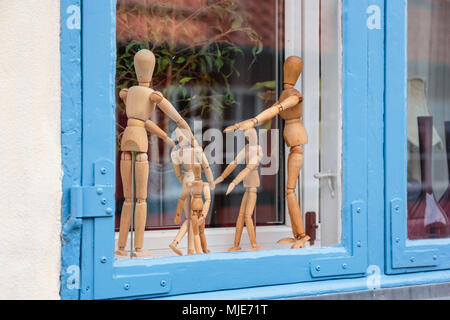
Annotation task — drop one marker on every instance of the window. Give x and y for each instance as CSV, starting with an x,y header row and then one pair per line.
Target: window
x,y
105,276
218,63
428,119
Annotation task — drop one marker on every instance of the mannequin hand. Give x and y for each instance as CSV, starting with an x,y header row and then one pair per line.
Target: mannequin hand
x,y
230,188
212,185
244,125
177,219
170,142
218,180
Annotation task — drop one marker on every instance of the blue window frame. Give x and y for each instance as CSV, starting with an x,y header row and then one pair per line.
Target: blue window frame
x,y
92,196
402,255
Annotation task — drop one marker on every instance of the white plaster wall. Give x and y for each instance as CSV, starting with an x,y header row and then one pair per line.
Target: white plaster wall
x,y
30,160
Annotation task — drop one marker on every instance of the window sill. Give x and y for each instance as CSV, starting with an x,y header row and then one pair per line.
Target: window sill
x,y
219,240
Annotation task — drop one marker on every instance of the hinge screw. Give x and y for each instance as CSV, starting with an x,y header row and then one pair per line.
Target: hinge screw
x,y
358,244
109,211
317,268
358,210
397,240
163,283
103,260
103,170
99,191
397,208
344,266
412,259
126,286
434,258
103,201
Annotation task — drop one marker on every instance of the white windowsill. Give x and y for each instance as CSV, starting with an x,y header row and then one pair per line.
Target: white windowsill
x,y
219,240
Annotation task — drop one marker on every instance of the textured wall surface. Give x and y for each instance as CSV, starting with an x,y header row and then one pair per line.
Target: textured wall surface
x,y
30,163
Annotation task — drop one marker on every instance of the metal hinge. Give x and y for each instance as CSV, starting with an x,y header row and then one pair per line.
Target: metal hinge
x,y
98,200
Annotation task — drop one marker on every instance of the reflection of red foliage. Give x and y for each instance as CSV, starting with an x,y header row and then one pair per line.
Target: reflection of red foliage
x,y
184,22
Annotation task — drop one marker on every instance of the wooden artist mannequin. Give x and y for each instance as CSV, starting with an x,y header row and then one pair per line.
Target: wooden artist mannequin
x,y
140,102
289,107
192,160
252,153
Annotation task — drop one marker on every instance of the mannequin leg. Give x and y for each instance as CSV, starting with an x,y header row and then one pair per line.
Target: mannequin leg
x,y
191,247
140,216
196,230
125,217
203,238
183,229
295,163
249,208
239,224
181,233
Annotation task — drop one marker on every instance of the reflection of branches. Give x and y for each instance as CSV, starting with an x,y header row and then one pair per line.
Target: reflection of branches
x,y
187,61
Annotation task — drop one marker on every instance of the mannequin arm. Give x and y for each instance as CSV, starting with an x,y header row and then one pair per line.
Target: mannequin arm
x,y
230,168
170,110
208,172
266,115
123,95
253,163
177,171
153,128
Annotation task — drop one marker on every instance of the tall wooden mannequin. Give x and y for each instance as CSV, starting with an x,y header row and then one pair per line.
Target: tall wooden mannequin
x,y
140,102
252,153
289,107
192,160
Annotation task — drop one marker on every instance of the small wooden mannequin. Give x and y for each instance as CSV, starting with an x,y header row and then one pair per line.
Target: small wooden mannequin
x,y
192,160
289,107
140,103
253,155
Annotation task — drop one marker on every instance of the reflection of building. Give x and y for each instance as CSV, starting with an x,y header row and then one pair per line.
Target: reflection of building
x,y
184,22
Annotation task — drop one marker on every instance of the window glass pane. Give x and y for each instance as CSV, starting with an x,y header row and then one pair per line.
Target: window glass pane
x,y
428,119
219,63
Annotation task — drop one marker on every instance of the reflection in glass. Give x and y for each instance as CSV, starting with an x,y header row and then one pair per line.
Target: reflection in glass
x,y
217,62
428,99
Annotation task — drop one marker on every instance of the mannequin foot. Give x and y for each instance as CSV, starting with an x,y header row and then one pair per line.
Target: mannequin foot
x,y
121,252
255,248
141,253
175,249
191,252
286,240
234,249
206,251
299,243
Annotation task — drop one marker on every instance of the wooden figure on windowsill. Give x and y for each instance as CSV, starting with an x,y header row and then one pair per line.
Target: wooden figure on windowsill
x,y
190,157
289,107
140,102
252,153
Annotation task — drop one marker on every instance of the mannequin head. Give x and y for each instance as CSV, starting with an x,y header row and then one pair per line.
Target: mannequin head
x,y
293,67
144,64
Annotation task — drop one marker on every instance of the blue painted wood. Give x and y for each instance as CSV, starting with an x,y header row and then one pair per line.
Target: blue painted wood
x,y
375,138
102,277
402,255
70,144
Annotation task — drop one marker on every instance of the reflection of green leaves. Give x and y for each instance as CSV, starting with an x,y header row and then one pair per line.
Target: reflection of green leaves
x,y
264,85
185,80
193,76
